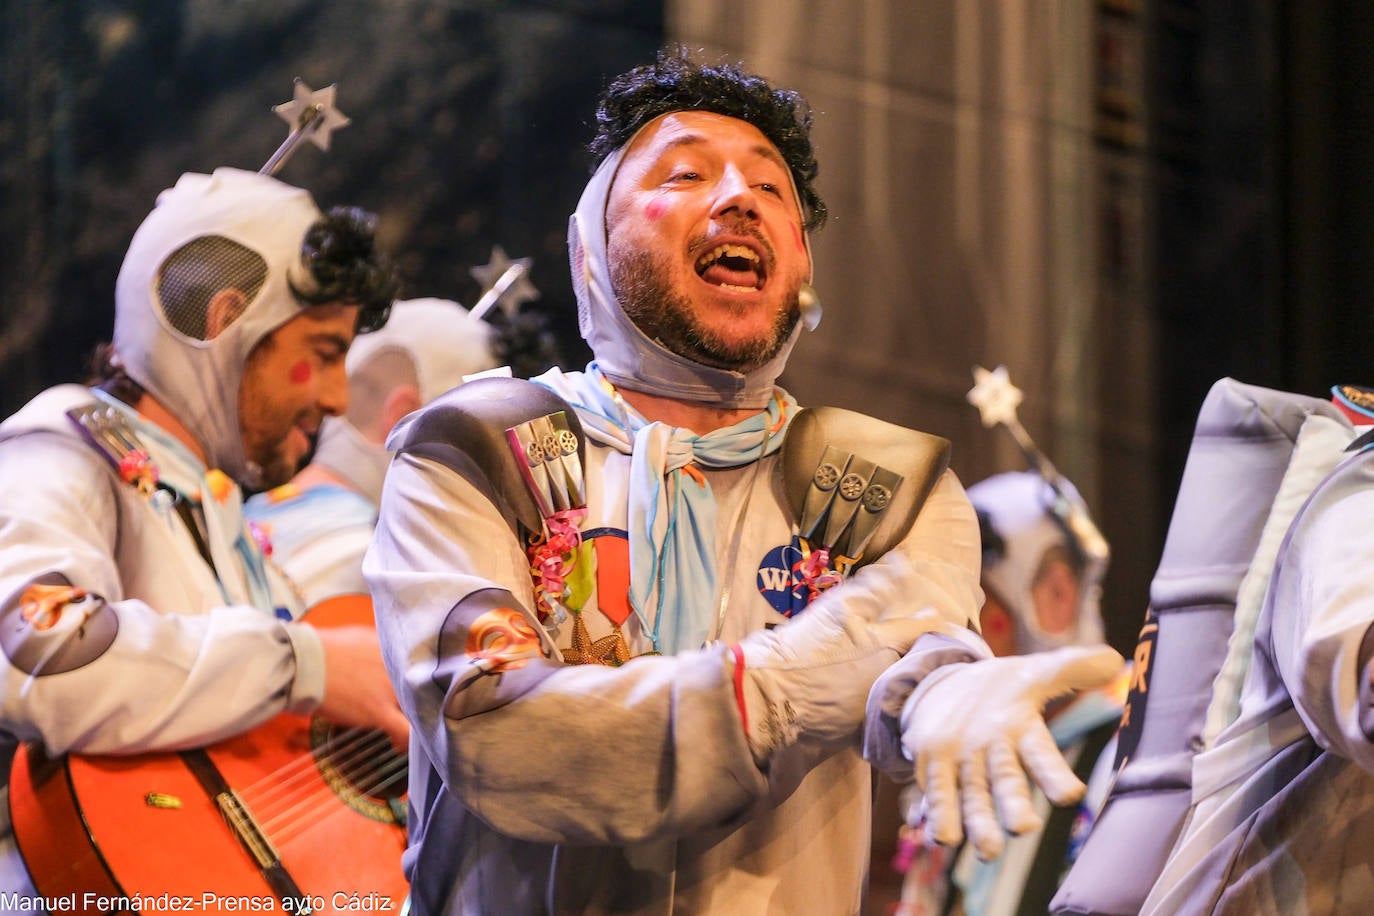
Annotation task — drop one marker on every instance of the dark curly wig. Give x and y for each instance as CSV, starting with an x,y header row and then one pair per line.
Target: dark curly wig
x,y
346,266
674,82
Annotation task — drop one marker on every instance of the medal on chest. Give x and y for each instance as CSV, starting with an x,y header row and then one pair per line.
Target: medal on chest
x,y
564,566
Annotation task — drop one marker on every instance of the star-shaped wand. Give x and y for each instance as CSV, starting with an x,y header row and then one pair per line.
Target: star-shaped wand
x,y
997,399
506,283
312,116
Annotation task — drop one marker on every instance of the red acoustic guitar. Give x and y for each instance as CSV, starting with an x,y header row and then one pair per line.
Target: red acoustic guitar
x,y
296,815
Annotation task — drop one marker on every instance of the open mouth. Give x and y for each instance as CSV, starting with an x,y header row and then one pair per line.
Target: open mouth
x,y
732,266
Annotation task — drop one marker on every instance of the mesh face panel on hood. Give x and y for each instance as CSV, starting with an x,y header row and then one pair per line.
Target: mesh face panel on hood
x,y
190,284
194,375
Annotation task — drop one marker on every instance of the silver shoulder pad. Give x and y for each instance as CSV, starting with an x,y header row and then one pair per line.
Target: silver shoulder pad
x,y
855,483
469,430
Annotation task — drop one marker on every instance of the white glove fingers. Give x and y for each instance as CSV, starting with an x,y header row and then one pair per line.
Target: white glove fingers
x,y
1012,791
980,818
989,714
1076,668
1046,765
942,801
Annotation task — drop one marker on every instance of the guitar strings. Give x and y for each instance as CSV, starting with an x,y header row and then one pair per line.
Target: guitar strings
x,y
282,789
307,809
311,817
280,780
283,811
312,814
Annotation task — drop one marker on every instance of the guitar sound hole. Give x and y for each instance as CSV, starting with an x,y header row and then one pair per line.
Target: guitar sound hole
x,y
362,768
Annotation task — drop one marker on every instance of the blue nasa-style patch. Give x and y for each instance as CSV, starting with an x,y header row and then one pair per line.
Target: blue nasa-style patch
x,y
779,579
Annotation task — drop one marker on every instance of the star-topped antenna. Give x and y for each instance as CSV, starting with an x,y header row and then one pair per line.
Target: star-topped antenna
x,y
506,283
311,116
997,399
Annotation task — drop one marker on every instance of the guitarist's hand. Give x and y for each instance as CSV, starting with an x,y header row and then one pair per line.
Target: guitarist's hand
x,y
356,688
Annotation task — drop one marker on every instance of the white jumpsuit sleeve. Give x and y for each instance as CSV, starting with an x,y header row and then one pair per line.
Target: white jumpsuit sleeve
x,y
947,536
576,754
112,673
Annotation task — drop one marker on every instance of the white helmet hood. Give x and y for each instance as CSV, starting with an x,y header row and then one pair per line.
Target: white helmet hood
x,y
443,343
623,352
198,380
1019,505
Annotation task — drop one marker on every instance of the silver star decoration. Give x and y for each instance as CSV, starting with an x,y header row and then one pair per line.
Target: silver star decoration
x,y
995,396
997,399
312,110
505,293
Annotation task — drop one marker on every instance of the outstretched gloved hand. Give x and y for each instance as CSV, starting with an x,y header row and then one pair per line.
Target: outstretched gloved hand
x,y
977,729
811,676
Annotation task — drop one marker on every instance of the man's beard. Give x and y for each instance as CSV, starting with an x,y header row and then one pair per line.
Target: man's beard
x,y
640,282
272,469
274,472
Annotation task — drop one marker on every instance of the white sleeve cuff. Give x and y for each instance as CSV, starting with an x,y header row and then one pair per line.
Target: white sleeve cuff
x,y
307,690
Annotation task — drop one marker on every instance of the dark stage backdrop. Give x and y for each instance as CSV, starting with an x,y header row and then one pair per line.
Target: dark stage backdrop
x,y
469,125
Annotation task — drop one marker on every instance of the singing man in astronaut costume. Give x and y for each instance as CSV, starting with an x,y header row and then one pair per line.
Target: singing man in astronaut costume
x,y
608,714
138,613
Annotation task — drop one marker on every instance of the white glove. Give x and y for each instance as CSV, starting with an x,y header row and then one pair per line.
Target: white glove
x,y
976,730
811,676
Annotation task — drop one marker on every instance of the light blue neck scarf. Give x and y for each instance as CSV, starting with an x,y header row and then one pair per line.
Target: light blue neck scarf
x,y
672,517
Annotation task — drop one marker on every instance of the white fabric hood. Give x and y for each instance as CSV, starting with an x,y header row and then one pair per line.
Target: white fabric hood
x,y
1019,506
443,343
198,380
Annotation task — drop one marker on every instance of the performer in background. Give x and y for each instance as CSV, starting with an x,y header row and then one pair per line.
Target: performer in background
x,y
635,613
1042,586
320,523
138,612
